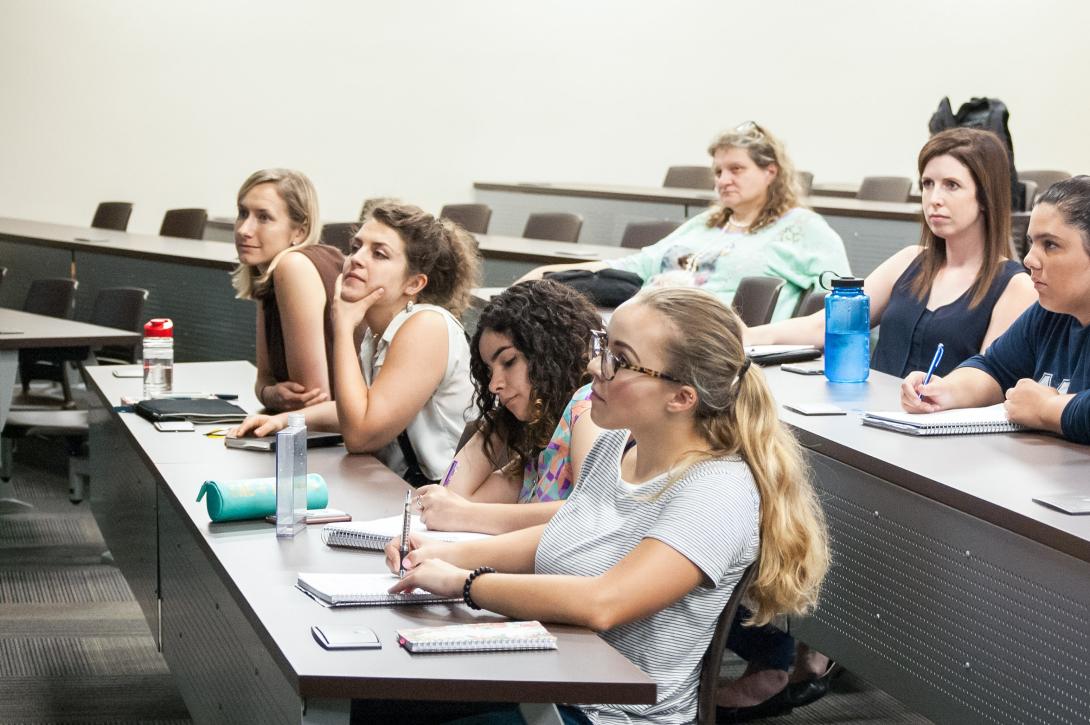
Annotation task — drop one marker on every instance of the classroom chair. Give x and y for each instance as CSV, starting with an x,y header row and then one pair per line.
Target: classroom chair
x,y
755,299
340,235
689,177
1044,178
184,223
112,215
884,188
53,298
713,656
1029,191
638,235
3,274
121,308
810,302
553,227
806,182
474,218
1019,227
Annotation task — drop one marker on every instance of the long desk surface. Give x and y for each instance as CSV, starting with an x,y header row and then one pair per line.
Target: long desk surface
x,y
229,605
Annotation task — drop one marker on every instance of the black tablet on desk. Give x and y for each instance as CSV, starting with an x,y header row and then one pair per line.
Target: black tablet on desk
x,y
268,443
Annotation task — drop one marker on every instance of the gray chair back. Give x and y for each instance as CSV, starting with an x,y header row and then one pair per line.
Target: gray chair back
x,y
638,235
806,182
340,235
1029,188
473,218
553,226
184,223
1043,177
112,215
810,302
121,308
755,299
713,656
884,188
1019,241
54,297
689,177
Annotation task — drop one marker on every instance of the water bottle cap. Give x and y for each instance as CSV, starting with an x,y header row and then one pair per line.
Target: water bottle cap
x,y
297,420
159,327
849,282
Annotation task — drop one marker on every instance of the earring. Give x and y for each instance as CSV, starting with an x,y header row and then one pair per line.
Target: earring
x,y
409,306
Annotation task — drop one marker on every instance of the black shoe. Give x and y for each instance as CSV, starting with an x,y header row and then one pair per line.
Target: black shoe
x,y
776,705
800,694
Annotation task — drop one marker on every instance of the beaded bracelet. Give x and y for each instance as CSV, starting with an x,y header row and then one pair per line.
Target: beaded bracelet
x,y
469,583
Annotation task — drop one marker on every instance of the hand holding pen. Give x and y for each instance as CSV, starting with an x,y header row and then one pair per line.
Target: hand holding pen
x,y
934,364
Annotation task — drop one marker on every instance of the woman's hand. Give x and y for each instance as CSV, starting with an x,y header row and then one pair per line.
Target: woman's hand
x,y
1027,403
259,425
937,394
442,509
421,549
290,395
348,314
435,576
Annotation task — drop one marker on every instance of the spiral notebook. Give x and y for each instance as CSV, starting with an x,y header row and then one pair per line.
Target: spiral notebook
x,y
480,637
962,421
376,534
352,590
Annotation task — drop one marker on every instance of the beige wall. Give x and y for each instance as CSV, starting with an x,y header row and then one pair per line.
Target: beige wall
x,y
173,104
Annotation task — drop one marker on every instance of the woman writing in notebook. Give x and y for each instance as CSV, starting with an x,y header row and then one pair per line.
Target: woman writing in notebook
x,y
407,280
957,286
529,358
1040,366
757,228
291,276
651,543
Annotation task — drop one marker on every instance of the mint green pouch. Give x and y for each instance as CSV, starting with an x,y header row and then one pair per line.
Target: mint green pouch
x,y
255,498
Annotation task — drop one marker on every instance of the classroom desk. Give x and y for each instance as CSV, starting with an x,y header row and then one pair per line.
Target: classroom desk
x,y
950,588
850,189
872,231
24,330
188,280
233,629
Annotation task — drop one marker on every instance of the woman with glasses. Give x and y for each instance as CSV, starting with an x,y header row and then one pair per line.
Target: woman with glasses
x,y
653,540
957,286
757,228
528,360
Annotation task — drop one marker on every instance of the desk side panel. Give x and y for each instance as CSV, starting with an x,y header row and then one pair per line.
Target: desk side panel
x,y
869,242
961,620
26,263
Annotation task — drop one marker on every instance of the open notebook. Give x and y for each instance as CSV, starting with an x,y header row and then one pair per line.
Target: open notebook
x,y
478,637
343,590
377,533
992,419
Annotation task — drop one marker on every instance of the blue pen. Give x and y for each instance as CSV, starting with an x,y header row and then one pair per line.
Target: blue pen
x,y
934,364
450,472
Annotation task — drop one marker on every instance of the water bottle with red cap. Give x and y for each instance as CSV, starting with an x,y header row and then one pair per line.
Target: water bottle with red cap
x,y
158,357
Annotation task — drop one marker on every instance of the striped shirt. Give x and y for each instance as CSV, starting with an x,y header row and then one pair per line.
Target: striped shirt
x,y
710,516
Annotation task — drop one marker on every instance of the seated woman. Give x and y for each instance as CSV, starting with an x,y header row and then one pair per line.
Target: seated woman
x,y
756,229
408,279
651,543
529,357
1041,365
282,266
956,286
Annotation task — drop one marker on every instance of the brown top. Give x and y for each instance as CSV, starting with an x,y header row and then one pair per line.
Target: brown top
x,y
328,261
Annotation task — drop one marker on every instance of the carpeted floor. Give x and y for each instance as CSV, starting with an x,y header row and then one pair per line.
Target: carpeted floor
x,y
74,646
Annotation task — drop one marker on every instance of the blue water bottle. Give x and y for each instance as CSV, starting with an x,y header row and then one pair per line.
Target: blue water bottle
x,y
847,332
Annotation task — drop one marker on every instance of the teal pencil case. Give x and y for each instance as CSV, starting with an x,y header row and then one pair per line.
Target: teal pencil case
x,y
255,498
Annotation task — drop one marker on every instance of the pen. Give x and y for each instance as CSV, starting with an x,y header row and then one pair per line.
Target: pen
x,y
450,472
934,364
405,524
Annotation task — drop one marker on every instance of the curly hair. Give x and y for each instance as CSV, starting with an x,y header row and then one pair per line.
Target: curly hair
x,y
550,324
765,150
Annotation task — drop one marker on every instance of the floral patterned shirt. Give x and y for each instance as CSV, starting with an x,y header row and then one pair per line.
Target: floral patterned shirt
x,y
550,478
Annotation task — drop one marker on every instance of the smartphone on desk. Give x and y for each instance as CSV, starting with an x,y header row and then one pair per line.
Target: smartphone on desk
x,y
812,369
173,426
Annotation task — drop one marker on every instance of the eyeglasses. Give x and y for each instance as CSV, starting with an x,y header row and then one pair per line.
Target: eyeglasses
x,y
611,364
750,128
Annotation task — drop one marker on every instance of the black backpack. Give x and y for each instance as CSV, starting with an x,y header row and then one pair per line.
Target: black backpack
x,y
990,114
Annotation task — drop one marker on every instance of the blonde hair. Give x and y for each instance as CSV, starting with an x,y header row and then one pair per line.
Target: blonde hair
x,y
764,149
736,414
302,202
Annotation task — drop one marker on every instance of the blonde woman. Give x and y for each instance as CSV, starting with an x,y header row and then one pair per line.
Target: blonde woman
x,y
757,228
650,544
291,276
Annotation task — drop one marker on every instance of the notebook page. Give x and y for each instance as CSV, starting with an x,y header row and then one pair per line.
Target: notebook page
x,y
988,415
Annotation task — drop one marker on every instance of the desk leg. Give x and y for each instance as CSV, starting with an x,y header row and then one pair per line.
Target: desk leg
x,y
9,366
540,713
317,711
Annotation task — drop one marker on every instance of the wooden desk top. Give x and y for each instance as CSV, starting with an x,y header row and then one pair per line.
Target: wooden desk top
x,y
260,572
993,477
827,205
26,330
219,255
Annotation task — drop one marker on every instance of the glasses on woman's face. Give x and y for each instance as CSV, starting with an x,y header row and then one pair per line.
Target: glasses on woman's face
x,y
599,347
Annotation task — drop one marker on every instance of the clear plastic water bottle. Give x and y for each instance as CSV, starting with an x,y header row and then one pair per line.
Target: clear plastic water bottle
x,y
291,476
158,357
847,332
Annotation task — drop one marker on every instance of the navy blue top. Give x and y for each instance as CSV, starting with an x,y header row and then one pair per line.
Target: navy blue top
x,y
911,332
1052,349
